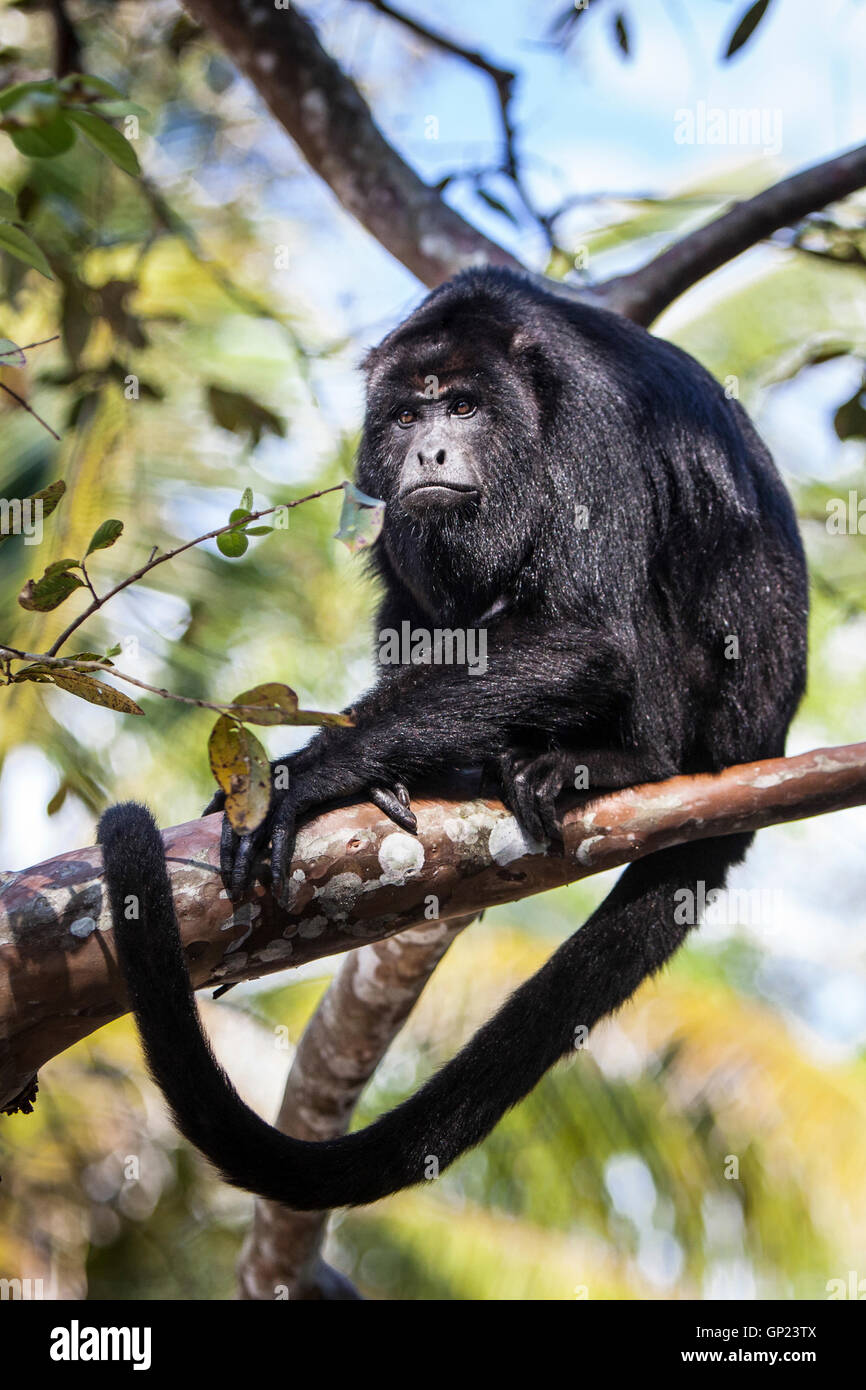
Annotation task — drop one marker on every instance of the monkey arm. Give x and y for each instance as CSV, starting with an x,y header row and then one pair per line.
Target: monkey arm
x,y
427,719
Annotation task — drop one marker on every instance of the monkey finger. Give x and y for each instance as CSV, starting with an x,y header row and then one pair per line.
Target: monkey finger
x,y
395,803
229,842
546,803
282,846
216,803
245,858
526,808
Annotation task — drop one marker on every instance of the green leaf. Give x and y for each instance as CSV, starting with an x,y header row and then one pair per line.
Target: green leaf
x,y
13,95
37,672
118,110
247,499
106,139
232,544
20,245
44,141
50,497
104,536
56,584
279,705
746,27
11,354
88,83
361,518
241,768
95,692
8,205
36,108
235,411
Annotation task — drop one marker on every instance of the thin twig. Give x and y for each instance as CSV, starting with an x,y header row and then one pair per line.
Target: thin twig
x,y
504,81
44,659
152,563
29,408
28,346
20,399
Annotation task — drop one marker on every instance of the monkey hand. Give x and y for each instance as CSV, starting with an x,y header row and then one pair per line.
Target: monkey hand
x,y
530,784
290,797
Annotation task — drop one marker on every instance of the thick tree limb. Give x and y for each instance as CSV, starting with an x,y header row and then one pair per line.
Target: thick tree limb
x,y
643,295
364,1009
357,879
332,125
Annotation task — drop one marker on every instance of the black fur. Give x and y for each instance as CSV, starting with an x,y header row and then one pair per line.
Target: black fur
x,y
606,647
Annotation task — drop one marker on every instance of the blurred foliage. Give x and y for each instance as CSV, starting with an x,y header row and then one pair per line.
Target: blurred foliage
x,y
702,1145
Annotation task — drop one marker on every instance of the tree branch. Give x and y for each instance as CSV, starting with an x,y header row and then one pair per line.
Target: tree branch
x,y
332,125
364,1009
504,82
67,47
325,114
357,879
642,295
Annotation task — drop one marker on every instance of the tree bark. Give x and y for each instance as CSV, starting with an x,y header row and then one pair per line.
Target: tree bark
x,y
364,1009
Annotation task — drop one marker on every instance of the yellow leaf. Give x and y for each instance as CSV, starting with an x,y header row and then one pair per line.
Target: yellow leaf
x,y
240,765
86,688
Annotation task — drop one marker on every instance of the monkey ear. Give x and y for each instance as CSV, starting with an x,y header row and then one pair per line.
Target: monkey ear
x,y
529,355
524,339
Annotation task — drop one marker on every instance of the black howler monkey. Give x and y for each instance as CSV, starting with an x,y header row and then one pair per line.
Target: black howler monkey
x,y
588,495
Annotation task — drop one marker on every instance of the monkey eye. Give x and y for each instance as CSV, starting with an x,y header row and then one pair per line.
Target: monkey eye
x,y
405,418
464,407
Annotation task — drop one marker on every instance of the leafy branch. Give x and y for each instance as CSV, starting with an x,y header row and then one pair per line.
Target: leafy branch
x,y
238,760
43,119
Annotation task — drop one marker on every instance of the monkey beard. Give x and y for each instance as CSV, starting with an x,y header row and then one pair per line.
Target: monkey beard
x,y
459,561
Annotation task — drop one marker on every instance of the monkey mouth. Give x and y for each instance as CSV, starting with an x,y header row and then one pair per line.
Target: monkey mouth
x,y
439,495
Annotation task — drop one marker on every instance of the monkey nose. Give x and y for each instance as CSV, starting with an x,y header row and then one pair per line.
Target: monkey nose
x,y
429,459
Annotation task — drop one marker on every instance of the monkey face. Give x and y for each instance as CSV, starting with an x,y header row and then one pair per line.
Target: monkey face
x,y
440,441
